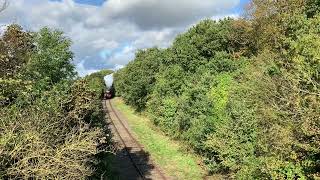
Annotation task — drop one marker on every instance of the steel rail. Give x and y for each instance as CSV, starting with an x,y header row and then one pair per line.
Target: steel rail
x,y
134,139
123,142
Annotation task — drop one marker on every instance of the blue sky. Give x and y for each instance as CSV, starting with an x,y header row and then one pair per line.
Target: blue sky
x,y
106,34
100,2
91,2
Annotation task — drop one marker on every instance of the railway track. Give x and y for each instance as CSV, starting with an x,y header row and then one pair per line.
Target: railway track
x,y
132,150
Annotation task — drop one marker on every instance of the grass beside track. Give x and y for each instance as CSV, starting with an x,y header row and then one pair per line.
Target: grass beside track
x,y
168,154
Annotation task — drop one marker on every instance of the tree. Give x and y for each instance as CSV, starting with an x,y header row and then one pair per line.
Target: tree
x,y
16,47
52,60
140,77
245,93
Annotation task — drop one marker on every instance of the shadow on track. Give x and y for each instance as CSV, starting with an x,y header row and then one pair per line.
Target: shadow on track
x,y
127,170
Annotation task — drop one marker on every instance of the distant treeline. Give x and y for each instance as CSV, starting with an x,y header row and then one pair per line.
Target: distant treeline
x,y
51,122
244,93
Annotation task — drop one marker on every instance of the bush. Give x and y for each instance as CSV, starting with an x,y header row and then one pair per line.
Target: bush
x,y
140,78
242,93
50,126
53,138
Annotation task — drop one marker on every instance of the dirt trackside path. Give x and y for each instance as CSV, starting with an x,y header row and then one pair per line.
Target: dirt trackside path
x,y
131,161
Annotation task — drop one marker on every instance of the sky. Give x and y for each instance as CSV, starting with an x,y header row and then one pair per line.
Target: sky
x,y
107,33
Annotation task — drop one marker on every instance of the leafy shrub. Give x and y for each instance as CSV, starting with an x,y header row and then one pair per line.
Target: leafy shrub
x,y
51,138
141,77
50,126
242,93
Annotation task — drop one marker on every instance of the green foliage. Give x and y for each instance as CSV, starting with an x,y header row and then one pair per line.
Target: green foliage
x,y
96,81
51,126
16,46
242,93
141,77
312,8
53,138
52,61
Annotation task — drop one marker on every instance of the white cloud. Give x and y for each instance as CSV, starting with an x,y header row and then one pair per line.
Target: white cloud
x,y
163,13
82,71
109,35
123,56
218,17
117,67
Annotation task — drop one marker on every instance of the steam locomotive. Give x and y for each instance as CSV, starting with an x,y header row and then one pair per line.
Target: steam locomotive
x,y
109,93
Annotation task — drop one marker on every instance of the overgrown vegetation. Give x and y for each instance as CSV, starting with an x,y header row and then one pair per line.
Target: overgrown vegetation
x,y
51,123
244,93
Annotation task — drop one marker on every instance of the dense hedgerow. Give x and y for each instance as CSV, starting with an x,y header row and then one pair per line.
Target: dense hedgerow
x,y
51,124
243,93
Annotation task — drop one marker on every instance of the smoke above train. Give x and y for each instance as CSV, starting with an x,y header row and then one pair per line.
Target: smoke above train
x,y
108,80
